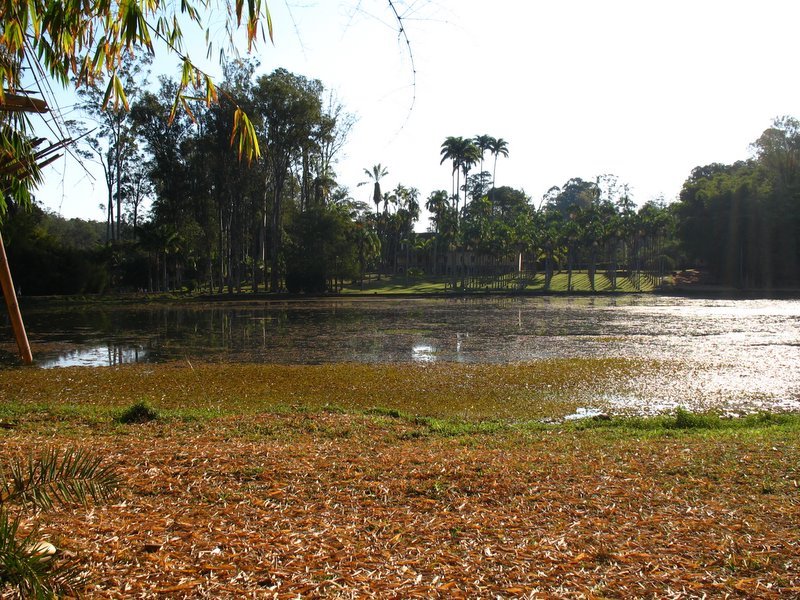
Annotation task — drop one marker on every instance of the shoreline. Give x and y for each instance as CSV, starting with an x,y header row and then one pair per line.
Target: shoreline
x,y
148,298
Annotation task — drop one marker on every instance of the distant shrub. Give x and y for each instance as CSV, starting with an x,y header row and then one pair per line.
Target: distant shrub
x,y
141,412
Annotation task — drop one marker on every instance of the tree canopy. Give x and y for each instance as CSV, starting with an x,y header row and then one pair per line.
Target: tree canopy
x,y
741,222
83,42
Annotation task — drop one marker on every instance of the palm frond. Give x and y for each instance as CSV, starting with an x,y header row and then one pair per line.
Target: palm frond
x,y
25,570
53,478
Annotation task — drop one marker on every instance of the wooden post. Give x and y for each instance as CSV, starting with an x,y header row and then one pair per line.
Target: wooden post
x,y
13,307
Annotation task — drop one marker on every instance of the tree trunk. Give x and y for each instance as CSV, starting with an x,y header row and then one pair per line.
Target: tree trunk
x,y
548,268
110,216
13,307
166,280
221,252
435,254
613,275
263,236
274,280
118,167
569,268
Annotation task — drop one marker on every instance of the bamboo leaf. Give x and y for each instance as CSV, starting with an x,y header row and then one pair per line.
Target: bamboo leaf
x,y
211,91
174,110
188,109
35,19
119,92
99,59
107,95
187,73
244,136
269,23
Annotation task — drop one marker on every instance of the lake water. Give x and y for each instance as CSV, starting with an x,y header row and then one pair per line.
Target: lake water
x,y
722,354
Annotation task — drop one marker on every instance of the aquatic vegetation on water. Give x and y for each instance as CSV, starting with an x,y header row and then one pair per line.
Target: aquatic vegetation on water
x,y
525,391
714,355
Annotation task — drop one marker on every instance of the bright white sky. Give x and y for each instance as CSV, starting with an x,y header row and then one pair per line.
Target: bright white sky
x,y
641,89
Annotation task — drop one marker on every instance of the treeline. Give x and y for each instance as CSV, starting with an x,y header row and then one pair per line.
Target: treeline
x,y
52,255
741,222
282,222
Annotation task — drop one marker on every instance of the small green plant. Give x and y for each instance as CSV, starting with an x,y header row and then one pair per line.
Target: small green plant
x,y
27,566
686,420
140,412
385,412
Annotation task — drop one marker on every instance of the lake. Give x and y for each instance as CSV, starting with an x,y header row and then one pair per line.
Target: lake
x,y
729,355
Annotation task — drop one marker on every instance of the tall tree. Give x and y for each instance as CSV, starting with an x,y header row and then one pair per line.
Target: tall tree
x,y
483,142
451,150
335,126
113,139
573,195
470,155
498,147
778,150
437,205
375,174
291,108
463,154
137,185
165,141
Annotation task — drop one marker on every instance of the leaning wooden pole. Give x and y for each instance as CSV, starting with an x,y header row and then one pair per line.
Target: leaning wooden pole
x,y
13,307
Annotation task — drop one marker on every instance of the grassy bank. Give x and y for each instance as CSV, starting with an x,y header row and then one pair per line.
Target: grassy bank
x,y
373,481
388,285
559,284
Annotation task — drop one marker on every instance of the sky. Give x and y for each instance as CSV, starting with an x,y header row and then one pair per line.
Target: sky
x,y
644,90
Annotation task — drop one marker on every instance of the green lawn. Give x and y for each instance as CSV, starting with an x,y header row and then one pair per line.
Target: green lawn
x,y
399,284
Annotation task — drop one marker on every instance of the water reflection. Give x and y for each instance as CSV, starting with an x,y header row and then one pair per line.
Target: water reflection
x,y
424,353
108,355
745,352
584,413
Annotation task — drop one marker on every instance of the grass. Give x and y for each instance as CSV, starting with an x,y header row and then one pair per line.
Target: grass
x,y
137,413
683,420
398,285
413,481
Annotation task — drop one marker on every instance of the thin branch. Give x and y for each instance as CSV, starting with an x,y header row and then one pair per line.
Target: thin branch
x,y
402,33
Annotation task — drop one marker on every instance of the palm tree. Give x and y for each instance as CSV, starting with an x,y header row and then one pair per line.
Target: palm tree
x,y
498,147
464,154
484,143
551,223
592,228
471,154
378,171
451,150
570,236
368,245
437,206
